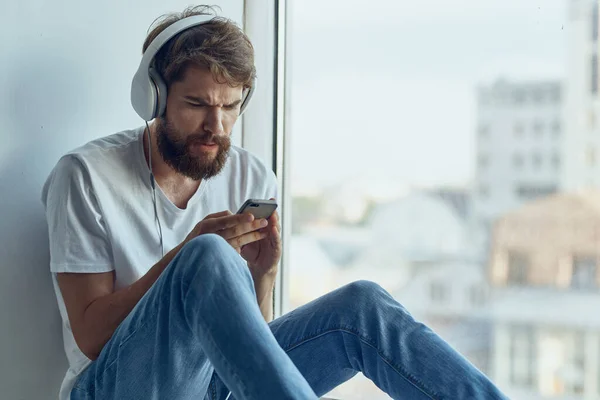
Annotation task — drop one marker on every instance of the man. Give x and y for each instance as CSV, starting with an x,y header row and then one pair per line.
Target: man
x,y
165,294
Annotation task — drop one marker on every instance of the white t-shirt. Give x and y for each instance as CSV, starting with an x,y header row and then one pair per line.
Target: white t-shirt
x,y
100,215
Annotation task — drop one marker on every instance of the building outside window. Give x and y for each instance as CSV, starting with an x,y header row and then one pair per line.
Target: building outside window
x,y
484,131
519,129
595,22
484,161
439,292
477,295
590,156
594,76
556,127
518,161
522,356
556,161
538,129
518,267
585,272
536,160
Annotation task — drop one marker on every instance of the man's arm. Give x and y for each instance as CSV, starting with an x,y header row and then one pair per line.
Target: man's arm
x,y
95,310
264,295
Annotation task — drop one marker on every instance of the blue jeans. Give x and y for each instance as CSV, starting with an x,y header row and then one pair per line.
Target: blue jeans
x,y
198,333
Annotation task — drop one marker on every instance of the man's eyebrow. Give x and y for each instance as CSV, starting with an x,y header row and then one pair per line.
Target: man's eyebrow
x,y
235,103
201,101
194,99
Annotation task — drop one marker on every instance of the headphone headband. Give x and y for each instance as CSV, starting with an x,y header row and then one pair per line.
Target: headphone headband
x,y
148,89
168,33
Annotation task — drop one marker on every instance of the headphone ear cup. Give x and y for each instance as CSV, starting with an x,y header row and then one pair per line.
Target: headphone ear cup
x,y
160,92
247,97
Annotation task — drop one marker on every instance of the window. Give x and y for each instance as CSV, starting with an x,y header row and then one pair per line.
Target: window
x,y
594,76
536,160
556,127
519,96
518,130
484,190
538,129
484,131
389,133
522,357
484,161
538,95
477,295
590,156
556,95
517,161
532,191
584,275
595,22
518,268
576,363
439,292
557,372
556,161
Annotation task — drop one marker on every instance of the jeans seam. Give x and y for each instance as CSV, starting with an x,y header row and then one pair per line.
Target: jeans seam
x,y
79,389
123,343
432,394
213,386
228,365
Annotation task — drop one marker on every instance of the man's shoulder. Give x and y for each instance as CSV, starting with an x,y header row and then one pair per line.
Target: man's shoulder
x,y
244,161
107,146
99,157
107,156
248,171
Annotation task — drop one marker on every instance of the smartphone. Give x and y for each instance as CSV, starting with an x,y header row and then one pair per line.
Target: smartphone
x,y
258,208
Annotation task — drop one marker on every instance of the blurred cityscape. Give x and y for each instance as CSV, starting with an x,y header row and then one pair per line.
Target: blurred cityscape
x,y
506,268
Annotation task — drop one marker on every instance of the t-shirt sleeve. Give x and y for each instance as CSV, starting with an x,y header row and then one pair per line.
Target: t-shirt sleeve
x,y
271,188
77,232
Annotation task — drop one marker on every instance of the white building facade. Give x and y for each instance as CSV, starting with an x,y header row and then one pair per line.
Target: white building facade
x,y
582,101
518,147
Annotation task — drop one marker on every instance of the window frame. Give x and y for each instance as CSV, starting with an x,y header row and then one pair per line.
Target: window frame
x,y
263,128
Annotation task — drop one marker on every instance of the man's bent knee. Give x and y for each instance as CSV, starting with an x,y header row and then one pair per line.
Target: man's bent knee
x,y
205,246
205,255
364,294
362,289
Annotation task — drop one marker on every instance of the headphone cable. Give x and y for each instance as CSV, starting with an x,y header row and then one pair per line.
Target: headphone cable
x,y
153,185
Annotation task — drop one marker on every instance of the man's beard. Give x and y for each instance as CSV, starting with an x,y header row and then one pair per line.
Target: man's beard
x,y
175,151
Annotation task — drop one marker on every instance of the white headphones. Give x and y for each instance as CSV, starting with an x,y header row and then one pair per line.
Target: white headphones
x,y
148,89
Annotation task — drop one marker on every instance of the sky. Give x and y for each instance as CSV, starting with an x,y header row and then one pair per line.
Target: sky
x,y
385,89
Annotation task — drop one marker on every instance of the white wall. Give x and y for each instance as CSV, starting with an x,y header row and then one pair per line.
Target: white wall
x,y
64,80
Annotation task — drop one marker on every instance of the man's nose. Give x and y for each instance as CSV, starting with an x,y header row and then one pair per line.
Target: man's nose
x,y
213,122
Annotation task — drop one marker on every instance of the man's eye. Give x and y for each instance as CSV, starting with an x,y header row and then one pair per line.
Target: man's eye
x,y
196,105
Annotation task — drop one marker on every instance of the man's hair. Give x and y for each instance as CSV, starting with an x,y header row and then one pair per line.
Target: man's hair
x,y
219,45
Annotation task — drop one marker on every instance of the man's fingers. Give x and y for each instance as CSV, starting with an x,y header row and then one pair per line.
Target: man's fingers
x,y
274,217
240,241
241,229
214,225
274,221
219,214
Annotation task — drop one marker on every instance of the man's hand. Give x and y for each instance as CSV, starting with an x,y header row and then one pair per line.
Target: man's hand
x,y
263,255
237,229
